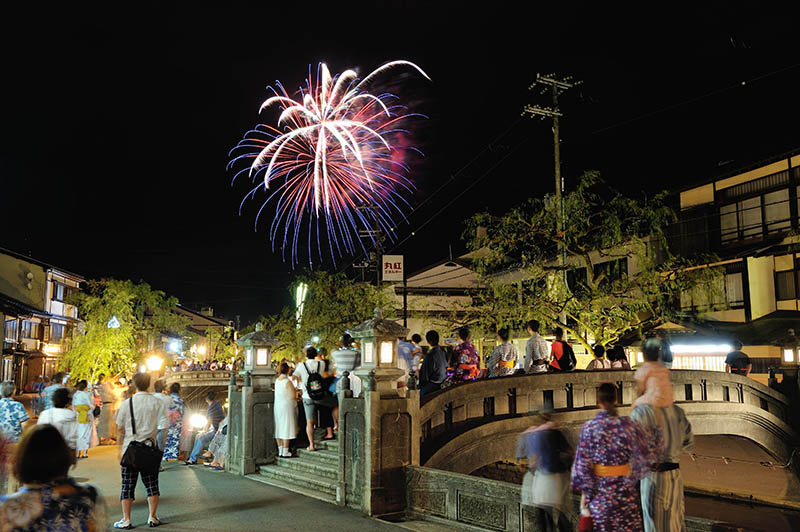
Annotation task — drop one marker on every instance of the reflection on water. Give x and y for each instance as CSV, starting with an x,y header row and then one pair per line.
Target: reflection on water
x,y
730,516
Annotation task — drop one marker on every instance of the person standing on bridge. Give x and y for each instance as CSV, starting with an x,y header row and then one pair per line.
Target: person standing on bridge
x,y
737,362
662,488
433,371
613,453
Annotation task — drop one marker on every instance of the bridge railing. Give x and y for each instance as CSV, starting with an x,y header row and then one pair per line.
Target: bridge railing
x,y
200,378
460,408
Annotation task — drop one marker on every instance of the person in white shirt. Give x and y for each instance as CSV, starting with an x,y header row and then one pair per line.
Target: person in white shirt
x,y
151,416
62,417
536,350
303,370
599,362
163,395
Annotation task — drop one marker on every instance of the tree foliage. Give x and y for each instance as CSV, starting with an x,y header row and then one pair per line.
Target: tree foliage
x,y
333,304
620,274
221,346
143,315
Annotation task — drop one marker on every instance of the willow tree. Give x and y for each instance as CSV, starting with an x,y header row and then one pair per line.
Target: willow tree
x,y
121,321
332,305
609,271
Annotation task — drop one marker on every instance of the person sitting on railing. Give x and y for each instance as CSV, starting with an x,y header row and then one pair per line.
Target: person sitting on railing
x,y
504,356
618,359
599,362
654,386
467,359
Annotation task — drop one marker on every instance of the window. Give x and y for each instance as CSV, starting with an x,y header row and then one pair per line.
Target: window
x,y
57,333
614,270
754,217
62,292
728,291
786,285
576,280
11,331
30,329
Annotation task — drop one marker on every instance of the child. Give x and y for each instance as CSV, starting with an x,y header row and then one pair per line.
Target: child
x,y
653,378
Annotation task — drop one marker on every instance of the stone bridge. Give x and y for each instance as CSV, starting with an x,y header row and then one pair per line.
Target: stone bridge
x,y
195,384
466,427
404,456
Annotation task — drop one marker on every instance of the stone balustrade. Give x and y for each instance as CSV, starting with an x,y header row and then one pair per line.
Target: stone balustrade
x,y
200,378
469,425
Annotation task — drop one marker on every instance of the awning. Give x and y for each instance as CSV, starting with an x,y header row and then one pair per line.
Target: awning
x,y
9,305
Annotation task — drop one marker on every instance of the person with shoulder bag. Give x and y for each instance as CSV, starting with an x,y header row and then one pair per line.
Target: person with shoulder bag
x,y
140,417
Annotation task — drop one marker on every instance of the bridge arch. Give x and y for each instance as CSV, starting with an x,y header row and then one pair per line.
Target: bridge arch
x,y
469,426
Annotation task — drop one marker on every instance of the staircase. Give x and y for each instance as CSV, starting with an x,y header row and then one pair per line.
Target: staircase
x,y
311,473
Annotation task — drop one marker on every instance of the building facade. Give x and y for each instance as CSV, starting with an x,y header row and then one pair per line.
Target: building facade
x,y
36,314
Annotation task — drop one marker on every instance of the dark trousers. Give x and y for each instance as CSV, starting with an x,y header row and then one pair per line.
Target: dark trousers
x,y
429,387
546,519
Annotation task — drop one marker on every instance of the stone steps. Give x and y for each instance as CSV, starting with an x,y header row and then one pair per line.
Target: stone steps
x,y
311,473
311,467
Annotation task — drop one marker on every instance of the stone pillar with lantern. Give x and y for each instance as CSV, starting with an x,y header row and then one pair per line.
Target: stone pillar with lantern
x,y
376,430
251,421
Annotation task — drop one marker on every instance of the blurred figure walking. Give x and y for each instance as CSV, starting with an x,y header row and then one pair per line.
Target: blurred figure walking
x,y
547,480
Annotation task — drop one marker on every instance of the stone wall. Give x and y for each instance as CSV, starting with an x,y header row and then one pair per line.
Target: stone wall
x,y
472,503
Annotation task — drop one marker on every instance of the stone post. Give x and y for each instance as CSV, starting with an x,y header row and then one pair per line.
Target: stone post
x,y
252,424
379,426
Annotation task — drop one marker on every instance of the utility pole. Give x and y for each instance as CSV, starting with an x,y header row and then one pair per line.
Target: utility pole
x,y
556,86
373,236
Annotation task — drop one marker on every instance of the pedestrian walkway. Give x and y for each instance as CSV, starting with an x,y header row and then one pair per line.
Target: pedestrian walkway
x,y
197,499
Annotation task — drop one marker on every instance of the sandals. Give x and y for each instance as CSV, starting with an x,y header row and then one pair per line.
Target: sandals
x,y
124,525
152,523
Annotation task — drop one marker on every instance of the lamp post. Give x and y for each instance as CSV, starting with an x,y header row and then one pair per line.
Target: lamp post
x,y
379,371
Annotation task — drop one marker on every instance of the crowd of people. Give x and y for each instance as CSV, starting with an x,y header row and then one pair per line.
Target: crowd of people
x,y
202,365
625,468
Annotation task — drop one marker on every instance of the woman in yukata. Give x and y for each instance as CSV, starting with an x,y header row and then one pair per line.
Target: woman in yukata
x,y
613,453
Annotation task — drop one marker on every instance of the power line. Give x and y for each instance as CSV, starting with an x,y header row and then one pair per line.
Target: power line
x,y
695,99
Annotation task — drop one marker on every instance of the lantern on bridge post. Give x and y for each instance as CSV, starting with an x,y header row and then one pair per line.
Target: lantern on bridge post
x,y
379,370
258,357
790,362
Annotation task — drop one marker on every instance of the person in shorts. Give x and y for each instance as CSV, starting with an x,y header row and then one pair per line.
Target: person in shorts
x,y
303,370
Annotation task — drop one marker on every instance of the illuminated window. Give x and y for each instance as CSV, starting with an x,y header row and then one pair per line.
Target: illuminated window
x,y
386,352
788,355
248,357
261,356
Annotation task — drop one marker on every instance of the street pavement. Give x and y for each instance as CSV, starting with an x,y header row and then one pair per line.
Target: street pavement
x,y
196,499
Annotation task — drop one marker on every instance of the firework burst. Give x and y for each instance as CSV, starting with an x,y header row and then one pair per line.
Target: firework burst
x,y
334,164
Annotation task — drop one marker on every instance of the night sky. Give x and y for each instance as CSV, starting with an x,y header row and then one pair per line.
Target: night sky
x,y
116,125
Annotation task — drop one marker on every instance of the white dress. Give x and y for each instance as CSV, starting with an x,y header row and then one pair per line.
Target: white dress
x,y
285,411
83,404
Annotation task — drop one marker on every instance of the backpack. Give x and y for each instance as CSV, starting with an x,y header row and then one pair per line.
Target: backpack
x,y
314,384
568,360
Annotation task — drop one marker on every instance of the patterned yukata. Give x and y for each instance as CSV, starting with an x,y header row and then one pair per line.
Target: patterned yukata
x,y
12,416
504,358
175,414
467,360
62,506
612,440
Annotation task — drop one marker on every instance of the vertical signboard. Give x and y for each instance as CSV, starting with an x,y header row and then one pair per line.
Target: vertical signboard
x,y
392,267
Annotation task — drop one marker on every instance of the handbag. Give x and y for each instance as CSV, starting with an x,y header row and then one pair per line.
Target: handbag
x,y
144,455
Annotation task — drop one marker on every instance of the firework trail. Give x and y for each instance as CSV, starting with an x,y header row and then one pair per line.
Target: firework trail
x,y
332,162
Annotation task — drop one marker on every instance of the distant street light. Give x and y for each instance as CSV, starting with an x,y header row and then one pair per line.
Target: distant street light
x,y
154,363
